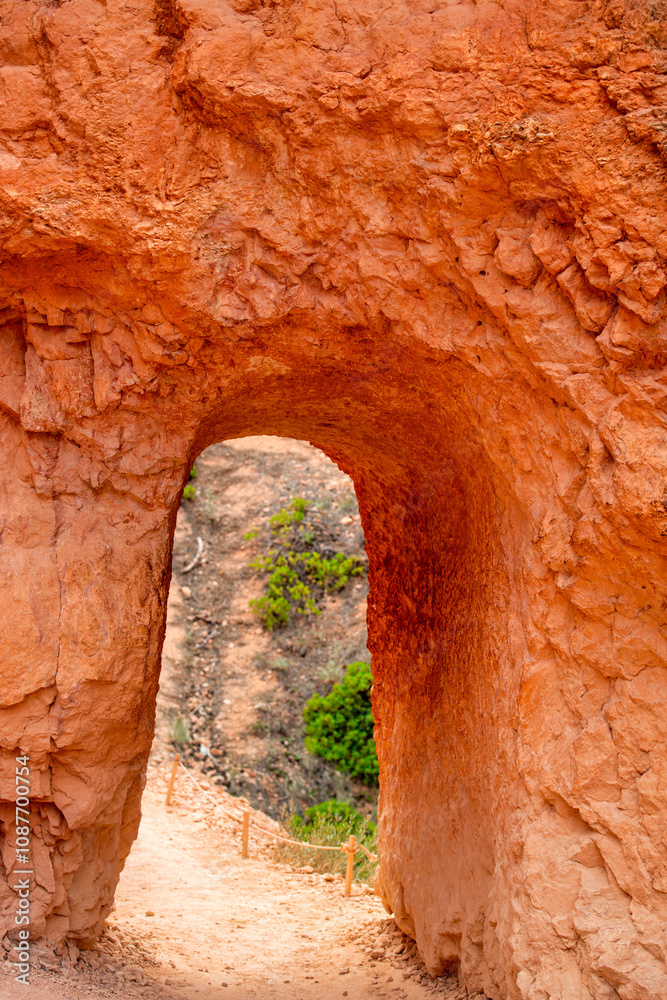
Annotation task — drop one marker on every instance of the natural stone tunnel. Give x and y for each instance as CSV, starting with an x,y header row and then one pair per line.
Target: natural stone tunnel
x,y
429,238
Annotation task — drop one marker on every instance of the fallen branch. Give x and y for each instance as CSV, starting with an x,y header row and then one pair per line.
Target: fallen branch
x,y
191,565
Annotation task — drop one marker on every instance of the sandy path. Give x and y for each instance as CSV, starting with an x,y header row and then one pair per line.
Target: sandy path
x,y
249,924
223,927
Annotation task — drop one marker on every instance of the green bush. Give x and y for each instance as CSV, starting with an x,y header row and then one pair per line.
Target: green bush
x,y
333,811
281,524
339,725
179,732
330,823
190,491
296,569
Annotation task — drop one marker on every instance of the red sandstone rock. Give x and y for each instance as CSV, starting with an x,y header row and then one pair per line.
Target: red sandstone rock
x,y
432,241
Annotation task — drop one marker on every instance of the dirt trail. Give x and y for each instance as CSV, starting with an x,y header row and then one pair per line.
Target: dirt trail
x,y
193,919
251,924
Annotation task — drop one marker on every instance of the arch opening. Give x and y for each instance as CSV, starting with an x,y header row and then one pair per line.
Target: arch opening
x,y
439,526
236,674
437,521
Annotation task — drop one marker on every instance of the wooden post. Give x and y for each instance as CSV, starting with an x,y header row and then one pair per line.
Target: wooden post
x,y
351,849
172,779
245,836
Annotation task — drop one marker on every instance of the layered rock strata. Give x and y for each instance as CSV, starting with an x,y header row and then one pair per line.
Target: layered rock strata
x,y
432,240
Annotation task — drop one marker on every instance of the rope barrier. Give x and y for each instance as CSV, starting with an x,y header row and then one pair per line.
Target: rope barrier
x,y
218,805
373,857
350,848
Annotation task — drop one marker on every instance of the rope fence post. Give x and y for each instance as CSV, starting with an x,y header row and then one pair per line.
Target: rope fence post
x,y
245,834
351,849
172,779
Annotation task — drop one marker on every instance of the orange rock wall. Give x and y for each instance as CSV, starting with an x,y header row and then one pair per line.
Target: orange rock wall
x,y
430,239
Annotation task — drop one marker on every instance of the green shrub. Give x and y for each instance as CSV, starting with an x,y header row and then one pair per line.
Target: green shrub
x,y
339,725
298,574
333,811
330,824
281,524
190,491
179,734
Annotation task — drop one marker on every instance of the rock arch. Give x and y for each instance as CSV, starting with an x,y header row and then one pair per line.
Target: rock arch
x,y
431,241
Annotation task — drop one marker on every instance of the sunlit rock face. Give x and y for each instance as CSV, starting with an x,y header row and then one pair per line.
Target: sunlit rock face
x,y
430,238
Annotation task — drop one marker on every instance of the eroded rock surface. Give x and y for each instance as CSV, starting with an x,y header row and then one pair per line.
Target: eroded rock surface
x,y
431,239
